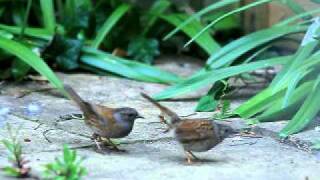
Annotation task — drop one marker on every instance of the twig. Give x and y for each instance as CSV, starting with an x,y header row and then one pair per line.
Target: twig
x,y
44,135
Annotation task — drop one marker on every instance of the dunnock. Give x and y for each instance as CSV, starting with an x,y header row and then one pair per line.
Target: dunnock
x,y
197,134
104,121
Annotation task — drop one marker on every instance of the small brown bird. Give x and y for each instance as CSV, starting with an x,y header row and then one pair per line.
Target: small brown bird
x,y
197,135
104,121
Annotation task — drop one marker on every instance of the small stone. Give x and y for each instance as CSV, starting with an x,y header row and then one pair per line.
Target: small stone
x,y
27,140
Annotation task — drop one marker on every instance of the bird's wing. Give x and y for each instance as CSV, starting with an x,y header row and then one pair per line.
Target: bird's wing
x,y
104,115
164,110
193,130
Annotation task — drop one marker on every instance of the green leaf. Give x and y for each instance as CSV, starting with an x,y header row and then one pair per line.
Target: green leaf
x,y
68,167
153,14
19,69
212,7
109,24
206,104
205,41
65,51
259,102
49,20
76,16
307,47
225,111
306,113
126,68
209,102
276,111
143,49
210,77
32,32
237,10
229,53
29,57
268,96
295,7
11,171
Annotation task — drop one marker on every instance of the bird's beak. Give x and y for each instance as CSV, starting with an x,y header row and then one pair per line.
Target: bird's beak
x,y
140,117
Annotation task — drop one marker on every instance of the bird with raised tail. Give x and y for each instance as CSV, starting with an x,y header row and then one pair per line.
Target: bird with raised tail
x,y
195,135
105,122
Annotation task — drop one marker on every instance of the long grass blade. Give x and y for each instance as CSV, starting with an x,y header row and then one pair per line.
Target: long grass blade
x,y
211,7
235,49
32,32
153,14
29,57
109,24
49,20
205,41
237,10
210,77
127,68
306,113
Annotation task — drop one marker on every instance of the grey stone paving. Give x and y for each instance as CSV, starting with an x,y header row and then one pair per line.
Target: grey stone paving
x,y
151,154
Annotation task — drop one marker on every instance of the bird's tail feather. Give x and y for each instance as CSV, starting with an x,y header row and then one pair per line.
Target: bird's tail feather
x,y
173,116
84,106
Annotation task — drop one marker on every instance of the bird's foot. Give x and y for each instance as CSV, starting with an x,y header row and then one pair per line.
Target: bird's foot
x,y
191,157
113,145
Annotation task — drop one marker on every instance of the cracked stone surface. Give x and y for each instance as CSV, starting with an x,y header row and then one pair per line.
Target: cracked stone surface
x,y
151,154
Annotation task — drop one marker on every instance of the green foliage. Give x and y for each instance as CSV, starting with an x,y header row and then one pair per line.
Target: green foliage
x,y
206,103
65,52
109,23
127,68
143,49
237,10
66,168
210,101
209,77
293,93
65,29
28,56
225,110
14,149
205,41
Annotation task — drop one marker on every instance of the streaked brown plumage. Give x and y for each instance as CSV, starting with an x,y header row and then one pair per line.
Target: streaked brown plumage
x,y
197,134
104,121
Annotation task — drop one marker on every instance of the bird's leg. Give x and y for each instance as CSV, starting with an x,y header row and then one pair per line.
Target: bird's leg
x,y
114,146
190,155
194,156
96,138
162,120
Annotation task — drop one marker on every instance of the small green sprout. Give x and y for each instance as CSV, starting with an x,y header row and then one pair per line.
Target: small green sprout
x,y
14,148
66,168
225,110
